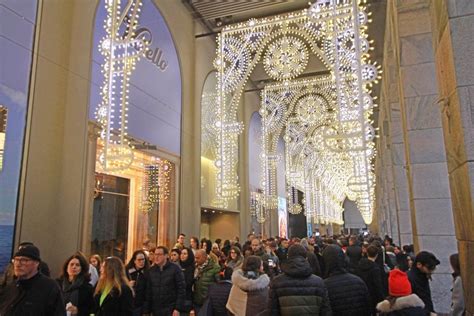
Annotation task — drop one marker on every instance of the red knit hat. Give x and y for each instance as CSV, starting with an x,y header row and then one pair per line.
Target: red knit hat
x,y
398,283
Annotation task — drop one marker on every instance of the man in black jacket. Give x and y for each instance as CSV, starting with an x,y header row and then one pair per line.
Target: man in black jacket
x,y
282,251
419,276
354,253
165,287
369,272
32,293
298,291
9,275
348,294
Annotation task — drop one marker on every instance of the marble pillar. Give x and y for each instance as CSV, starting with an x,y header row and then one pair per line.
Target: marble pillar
x,y
453,22
415,138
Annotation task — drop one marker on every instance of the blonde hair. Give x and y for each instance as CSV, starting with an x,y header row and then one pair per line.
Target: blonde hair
x,y
114,275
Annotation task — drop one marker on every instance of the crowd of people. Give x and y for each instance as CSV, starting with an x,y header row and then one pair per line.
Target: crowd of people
x,y
342,275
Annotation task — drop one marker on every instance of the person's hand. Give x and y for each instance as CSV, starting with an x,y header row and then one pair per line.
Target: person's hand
x,y
175,313
132,283
72,309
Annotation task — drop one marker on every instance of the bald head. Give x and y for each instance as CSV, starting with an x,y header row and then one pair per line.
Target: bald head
x,y
200,256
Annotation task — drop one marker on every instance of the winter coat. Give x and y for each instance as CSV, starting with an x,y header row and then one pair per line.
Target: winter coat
x,y
9,275
218,296
347,293
354,253
457,298
165,289
80,294
314,263
297,291
188,273
37,296
410,305
369,272
208,276
115,304
420,285
248,296
282,254
139,288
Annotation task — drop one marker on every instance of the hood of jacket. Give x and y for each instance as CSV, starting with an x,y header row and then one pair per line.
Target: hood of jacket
x,y
411,300
334,260
249,285
297,267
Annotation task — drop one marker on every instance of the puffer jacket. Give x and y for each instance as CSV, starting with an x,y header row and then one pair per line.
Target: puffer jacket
x,y
248,296
297,291
165,289
208,276
347,293
410,305
218,296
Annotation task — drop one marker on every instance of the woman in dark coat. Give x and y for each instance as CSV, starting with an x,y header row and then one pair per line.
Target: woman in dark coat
x,y
187,264
113,295
136,270
75,287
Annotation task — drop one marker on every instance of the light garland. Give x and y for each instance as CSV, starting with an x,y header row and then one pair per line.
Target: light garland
x,y
121,50
157,184
325,119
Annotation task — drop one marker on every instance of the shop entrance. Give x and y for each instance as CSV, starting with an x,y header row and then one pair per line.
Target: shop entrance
x,y
110,216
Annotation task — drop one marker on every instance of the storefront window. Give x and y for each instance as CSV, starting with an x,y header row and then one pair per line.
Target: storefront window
x,y
144,197
18,22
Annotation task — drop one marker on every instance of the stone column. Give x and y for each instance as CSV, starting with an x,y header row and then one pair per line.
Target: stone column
x,y
454,49
392,147
410,106
430,196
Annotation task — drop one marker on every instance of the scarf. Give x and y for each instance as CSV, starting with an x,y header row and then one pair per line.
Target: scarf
x,y
71,289
200,269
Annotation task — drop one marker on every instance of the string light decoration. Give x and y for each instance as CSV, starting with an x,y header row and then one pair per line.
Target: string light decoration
x,y
156,187
333,128
121,51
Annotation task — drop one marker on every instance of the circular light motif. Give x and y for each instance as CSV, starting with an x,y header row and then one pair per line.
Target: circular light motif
x,y
312,109
286,58
369,72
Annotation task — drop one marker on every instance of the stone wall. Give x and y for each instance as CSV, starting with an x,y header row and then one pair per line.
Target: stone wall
x,y
414,190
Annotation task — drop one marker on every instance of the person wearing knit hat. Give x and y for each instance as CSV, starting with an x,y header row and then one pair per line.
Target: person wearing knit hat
x,y
401,300
9,275
33,293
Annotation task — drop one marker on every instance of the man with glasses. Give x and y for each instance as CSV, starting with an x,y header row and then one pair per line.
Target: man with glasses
x,y
9,275
165,287
420,274
33,293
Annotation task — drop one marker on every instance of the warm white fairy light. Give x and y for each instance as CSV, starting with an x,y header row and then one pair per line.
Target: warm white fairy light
x,y
337,133
121,51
